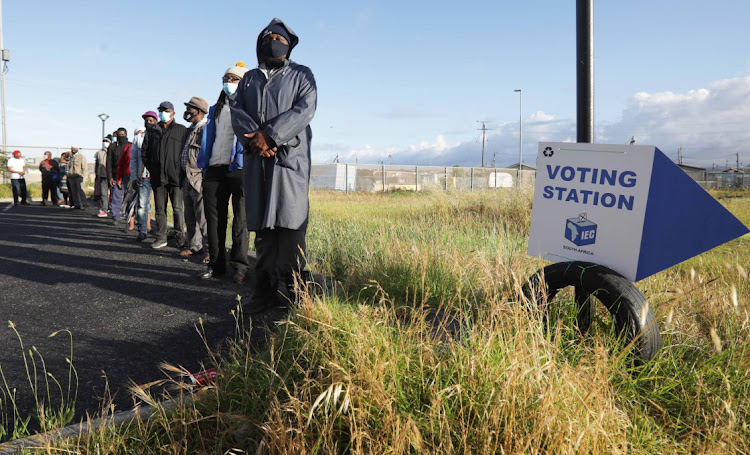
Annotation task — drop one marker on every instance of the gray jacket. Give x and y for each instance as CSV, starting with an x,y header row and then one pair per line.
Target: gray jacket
x,y
282,105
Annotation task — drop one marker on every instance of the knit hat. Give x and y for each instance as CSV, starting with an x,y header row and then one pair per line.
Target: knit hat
x,y
238,70
16,153
277,29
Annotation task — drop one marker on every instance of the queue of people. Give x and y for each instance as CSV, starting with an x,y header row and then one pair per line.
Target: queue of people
x,y
251,149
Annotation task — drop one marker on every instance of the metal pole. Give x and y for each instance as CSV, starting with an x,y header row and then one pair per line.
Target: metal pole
x,y
416,178
520,136
484,130
382,170
2,78
585,69
346,178
446,179
471,181
103,129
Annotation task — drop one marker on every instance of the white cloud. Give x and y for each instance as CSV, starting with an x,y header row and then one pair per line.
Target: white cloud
x,y
711,124
540,116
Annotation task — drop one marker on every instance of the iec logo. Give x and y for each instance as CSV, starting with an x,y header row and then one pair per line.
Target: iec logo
x,y
580,230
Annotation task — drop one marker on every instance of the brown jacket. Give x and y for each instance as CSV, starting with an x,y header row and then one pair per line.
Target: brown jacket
x,y
77,167
192,172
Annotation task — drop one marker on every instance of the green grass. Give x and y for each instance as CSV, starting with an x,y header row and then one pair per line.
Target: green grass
x,y
422,349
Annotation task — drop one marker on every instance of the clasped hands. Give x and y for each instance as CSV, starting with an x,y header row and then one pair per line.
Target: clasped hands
x,y
262,144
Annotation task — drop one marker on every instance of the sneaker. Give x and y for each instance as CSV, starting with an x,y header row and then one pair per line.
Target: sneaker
x,y
102,214
159,244
141,237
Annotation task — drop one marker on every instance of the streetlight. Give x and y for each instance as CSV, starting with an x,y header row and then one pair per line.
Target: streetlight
x,y
520,134
104,118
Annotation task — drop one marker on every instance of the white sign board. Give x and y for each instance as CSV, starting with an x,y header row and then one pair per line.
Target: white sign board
x,y
590,203
627,207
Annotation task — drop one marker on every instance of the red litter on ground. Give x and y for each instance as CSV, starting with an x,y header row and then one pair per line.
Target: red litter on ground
x,y
202,378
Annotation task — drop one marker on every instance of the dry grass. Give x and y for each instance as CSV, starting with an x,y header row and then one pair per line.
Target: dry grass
x,y
425,350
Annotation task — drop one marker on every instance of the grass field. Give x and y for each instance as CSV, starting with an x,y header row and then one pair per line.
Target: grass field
x,y
423,349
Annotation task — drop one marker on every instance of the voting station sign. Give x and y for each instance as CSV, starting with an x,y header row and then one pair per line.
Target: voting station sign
x,y
627,207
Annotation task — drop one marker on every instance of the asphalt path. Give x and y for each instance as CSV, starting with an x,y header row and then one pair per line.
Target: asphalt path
x,y
128,307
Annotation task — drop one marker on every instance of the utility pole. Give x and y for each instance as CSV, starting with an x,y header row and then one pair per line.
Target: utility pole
x,y
4,57
484,130
679,155
738,162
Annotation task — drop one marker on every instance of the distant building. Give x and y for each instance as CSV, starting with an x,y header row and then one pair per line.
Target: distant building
x,y
525,167
697,173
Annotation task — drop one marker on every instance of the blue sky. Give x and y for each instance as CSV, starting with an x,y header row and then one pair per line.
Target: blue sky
x,y
401,82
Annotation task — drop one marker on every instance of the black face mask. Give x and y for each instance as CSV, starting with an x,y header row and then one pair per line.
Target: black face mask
x,y
122,139
273,49
187,116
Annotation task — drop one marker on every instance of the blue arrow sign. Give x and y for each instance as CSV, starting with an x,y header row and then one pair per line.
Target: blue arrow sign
x,y
682,220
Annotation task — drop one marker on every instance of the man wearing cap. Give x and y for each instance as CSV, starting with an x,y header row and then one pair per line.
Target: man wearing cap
x,y
221,159
192,178
142,177
78,169
271,115
101,183
161,151
114,153
17,169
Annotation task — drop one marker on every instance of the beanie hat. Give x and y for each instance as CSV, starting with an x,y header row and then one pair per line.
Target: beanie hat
x,y
238,70
277,29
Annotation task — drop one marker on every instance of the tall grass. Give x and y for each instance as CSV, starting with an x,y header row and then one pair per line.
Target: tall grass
x,y
54,399
425,348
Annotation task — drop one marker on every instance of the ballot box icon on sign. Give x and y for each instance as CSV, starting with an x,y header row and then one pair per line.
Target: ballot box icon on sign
x,y
580,230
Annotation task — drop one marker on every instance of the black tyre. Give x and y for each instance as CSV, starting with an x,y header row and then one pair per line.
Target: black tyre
x,y
632,315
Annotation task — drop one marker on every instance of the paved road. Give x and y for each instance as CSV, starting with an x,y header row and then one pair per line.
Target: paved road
x,y
128,307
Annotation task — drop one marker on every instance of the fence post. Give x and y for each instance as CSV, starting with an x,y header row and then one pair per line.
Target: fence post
x,y
446,179
416,179
382,171
471,180
346,178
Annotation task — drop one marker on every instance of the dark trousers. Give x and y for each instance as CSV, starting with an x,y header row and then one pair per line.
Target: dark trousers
x,y
75,189
19,190
218,186
280,255
160,203
49,188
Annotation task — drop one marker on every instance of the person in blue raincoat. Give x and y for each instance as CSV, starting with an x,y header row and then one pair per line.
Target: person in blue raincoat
x,y
271,115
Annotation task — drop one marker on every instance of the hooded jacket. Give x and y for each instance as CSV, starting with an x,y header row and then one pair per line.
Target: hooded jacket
x,y
161,153
282,104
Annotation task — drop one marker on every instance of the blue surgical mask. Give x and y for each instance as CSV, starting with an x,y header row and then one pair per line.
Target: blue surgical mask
x,y
165,116
229,88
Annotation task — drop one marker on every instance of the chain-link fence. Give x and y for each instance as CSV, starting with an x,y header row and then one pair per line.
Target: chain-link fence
x,y
33,155
719,180
382,178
